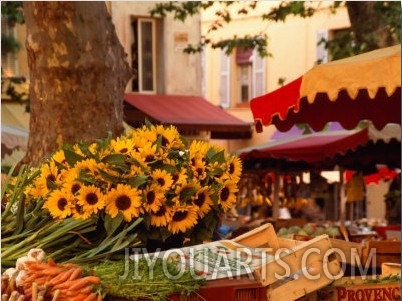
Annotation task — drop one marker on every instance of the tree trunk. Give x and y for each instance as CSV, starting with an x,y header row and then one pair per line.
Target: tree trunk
x,y
369,25
78,74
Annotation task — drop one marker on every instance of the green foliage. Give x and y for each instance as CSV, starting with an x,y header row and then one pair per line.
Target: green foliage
x,y
342,45
9,44
13,11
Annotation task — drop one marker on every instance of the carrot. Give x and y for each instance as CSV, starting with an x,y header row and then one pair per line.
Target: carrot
x,y
86,290
99,297
92,279
51,262
91,297
76,273
79,284
63,276
80,297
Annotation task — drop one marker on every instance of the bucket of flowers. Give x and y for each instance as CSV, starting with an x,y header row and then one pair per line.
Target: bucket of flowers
x,y
147,188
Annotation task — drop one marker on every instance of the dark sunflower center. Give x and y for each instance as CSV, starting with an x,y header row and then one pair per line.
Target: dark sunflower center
x,y
180,215
61,204
149,158
231,168
199,171
161,181
124,150
123,202
200,200
161,211
224,194
165,141
91,198
79,209
150,197
51,177
75,187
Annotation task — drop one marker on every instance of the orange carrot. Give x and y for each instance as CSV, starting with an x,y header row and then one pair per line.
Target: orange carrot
x,y
91,297
79,284
51,262
61,277
79,297
76,273
99,297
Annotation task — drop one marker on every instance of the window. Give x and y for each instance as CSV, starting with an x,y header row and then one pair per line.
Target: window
x,y
143,55
249,72
9,59
245,82
224,82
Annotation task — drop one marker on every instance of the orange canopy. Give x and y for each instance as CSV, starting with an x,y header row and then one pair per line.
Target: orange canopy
x,y
362,87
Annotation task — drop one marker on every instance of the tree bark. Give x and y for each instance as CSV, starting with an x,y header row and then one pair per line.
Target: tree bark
x,y
366,22
78,74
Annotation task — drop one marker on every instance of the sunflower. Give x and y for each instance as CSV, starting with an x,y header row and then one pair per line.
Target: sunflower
x,y
170,137
203,201
70,181
179,177
90,166
227,195
59,157
198,149
59,203
147,154
48,174
234,168
163,178
91,199
199,169
183,219
124,199
153,198
162,216
122,145
78,211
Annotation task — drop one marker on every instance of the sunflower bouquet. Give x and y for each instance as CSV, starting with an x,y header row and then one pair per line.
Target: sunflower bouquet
x,y
149,184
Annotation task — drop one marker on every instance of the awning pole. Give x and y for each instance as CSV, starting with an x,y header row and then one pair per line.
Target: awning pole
x,y
275,209
342,197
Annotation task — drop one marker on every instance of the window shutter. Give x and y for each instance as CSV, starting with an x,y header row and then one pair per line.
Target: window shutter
x,y
258,75
322,52
224,80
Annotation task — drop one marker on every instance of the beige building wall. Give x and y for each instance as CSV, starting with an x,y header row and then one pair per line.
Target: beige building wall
x,y
180,73
292,45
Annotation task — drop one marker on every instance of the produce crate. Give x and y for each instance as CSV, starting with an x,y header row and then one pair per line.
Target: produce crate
x,y
298,268
358,288
375,253
242,289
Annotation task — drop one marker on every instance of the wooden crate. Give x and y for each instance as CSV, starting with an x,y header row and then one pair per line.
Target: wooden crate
x,y
358,288
298,268
377,252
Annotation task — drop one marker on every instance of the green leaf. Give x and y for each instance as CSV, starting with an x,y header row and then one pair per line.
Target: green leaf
x,y
115,159
216,157
72,157
112,224
186,194
137,181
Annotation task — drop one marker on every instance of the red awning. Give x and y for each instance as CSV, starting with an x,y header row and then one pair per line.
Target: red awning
x,y
187,113
362,87
356,149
